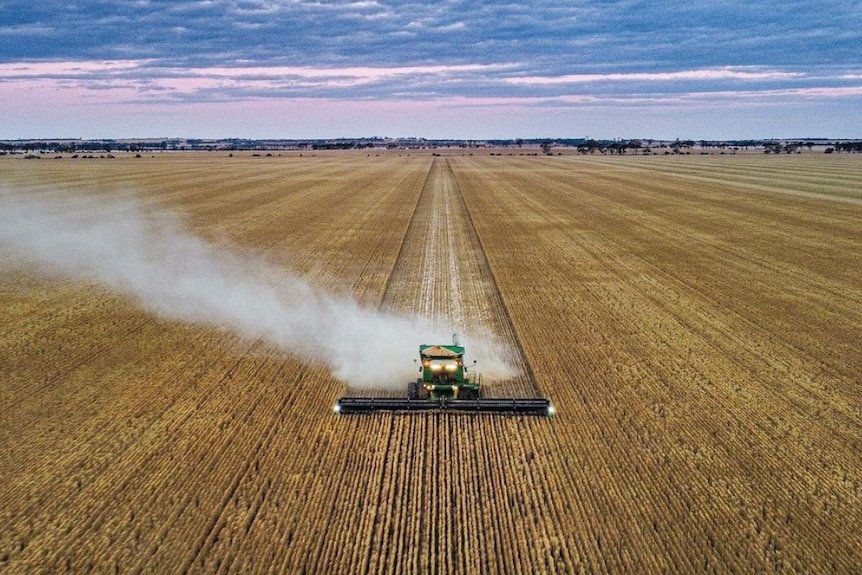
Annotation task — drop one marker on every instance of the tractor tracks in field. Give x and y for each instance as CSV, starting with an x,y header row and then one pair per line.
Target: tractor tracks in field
x,y
442,272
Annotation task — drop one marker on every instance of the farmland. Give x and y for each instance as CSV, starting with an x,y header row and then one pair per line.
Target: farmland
x,y
695,320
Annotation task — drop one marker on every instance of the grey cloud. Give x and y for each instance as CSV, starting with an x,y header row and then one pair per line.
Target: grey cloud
x,y
551,35
542,38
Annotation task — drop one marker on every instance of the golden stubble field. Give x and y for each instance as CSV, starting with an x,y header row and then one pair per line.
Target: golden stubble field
x,y
696,321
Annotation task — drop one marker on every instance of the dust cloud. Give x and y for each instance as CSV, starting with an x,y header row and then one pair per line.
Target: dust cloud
x,y
159,263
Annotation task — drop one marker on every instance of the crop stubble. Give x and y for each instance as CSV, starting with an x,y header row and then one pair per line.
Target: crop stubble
x,y
695,321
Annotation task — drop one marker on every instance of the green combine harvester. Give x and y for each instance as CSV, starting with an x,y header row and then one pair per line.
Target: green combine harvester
x,y
446,385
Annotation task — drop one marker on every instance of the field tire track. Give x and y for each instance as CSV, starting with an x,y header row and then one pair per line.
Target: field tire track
x,y
497,302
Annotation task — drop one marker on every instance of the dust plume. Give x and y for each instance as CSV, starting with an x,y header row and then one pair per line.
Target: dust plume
x,y
168,270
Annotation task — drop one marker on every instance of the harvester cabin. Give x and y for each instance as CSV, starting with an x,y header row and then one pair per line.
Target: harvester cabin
x,y
442,364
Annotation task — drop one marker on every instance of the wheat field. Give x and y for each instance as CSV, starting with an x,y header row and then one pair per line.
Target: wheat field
x,y
695,320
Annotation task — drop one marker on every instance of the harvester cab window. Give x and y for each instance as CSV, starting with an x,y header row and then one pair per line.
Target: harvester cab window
x,y
443,365
443,369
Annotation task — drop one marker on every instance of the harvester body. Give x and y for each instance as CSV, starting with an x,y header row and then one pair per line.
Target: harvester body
x,y
445,375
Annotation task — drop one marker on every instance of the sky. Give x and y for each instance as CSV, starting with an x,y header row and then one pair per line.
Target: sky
x,y
664,69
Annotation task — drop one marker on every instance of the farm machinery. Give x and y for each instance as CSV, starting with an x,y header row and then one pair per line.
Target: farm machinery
x,y
446,385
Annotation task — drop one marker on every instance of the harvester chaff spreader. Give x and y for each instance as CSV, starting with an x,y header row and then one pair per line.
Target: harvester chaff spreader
x,y
446,385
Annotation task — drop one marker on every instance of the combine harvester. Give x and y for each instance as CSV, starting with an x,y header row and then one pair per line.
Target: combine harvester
x,y
445,385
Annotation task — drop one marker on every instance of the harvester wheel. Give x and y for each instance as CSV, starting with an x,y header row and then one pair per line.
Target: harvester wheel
x,y
421,392
413,390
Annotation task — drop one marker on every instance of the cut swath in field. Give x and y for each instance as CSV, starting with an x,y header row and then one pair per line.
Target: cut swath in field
x,y
442,273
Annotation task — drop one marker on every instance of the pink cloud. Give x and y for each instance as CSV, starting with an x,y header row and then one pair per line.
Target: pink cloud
x,y
141,77
139,98
684,75
68,69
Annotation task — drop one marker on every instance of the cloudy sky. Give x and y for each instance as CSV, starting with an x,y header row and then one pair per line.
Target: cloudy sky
x,y
714,69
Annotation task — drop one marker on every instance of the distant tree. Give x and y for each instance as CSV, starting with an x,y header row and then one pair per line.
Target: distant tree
x,y
546,147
